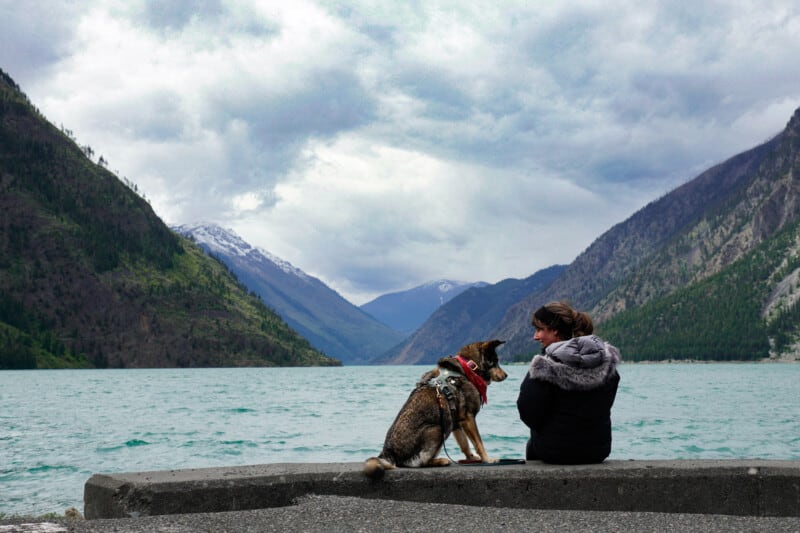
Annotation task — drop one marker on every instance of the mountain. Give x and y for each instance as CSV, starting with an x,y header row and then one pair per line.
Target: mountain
x,y
405,311
706,271
90,276
710,270
468,317
331,323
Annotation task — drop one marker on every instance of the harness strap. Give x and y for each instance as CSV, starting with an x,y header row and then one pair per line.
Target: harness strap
x,y
444,392
441,424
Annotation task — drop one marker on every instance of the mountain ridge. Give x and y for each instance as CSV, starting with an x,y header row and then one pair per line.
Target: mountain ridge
x,y
703,235
468,317
698,230
617,253
90,276
407,310
331,323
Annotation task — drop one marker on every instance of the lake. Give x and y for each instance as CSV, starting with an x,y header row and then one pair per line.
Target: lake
x,y
58,427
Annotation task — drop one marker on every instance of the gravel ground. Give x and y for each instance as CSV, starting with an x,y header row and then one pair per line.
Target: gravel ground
x,y
331,514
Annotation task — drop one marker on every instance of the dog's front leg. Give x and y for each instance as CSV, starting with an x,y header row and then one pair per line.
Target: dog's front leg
x,y
463,443
471,429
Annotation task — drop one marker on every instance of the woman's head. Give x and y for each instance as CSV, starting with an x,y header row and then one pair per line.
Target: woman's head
x,y
558,321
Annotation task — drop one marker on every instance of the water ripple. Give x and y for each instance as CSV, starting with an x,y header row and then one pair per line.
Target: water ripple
x,y
54,440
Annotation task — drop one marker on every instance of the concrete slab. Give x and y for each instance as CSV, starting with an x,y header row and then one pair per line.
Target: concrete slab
x,y
740,487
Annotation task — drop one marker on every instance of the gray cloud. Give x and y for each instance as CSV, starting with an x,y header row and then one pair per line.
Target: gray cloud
x,y
333,101
380,146
175,16
34,37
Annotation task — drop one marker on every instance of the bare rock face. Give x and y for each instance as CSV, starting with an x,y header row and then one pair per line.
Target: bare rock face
x,y
722,237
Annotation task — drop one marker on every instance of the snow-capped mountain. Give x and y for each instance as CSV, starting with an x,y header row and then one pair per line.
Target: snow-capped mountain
x,y
405,311
331,323
227,242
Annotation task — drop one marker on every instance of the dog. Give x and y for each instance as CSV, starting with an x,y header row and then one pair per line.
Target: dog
x,y
444,401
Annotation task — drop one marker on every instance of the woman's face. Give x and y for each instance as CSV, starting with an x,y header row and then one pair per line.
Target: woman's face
x,y
546,336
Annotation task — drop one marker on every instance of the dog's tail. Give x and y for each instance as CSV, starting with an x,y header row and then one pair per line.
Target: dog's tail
x,y
375,467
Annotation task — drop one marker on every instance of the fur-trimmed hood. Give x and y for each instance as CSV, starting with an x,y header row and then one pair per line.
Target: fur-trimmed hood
x,y
580,363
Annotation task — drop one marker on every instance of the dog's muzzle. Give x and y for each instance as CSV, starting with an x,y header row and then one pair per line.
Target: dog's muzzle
x,y
497,374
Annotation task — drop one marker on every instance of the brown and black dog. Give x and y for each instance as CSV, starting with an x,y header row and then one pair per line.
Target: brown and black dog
x,y
446,399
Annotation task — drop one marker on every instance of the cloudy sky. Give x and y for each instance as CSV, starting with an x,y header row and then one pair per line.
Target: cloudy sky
x,y
381,144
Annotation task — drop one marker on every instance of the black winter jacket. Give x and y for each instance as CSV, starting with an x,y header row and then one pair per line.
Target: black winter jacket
x,y
566,398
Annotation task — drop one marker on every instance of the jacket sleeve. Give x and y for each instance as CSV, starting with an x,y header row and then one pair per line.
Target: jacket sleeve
x,y
534,402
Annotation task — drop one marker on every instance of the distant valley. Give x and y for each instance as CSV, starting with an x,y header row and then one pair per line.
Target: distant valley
x,y
407,310
354,335
91,277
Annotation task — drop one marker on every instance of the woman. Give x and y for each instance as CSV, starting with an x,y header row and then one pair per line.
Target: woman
x,y
567,394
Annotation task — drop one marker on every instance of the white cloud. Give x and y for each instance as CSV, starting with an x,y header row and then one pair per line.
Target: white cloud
x,y
379,145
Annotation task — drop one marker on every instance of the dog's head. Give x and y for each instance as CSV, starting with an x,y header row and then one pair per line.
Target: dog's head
x,y
484,356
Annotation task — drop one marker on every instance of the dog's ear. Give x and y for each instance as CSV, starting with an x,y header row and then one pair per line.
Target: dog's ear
x,y
471,351
494,343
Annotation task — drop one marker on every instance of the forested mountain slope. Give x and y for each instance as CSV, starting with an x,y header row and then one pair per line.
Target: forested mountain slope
x,y
699,242
90,276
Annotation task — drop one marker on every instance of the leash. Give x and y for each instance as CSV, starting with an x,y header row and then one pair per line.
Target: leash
x,y
441,424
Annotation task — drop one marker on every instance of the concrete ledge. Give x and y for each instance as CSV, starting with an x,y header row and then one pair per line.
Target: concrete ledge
x,y
739,487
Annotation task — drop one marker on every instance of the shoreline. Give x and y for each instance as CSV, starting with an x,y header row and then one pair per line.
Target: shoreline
x,y
769,360
764,360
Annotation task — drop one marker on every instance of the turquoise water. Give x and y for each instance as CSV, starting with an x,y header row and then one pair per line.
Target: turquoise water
x,y
59,427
